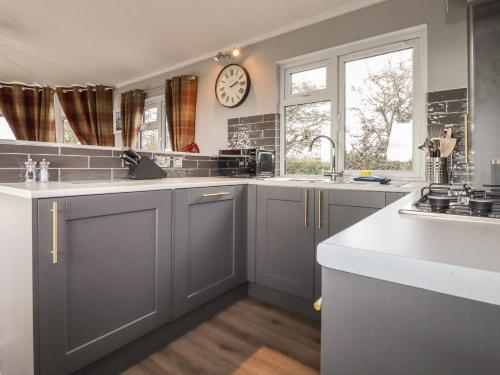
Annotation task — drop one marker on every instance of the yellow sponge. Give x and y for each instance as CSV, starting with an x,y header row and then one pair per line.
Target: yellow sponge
x,y
365,173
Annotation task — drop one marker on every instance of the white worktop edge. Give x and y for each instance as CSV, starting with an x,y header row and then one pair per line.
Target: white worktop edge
x,y
470,283
68,189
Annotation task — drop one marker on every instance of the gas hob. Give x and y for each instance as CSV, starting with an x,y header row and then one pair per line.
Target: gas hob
x,y
457,201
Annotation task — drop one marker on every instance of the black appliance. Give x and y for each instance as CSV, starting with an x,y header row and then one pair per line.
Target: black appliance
x,y
253,162
459,201
141,167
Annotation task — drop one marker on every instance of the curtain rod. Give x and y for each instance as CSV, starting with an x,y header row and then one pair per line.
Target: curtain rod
x,y
35,86
191,78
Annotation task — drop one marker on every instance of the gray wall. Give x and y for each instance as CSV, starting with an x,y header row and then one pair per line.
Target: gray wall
x,y
447,34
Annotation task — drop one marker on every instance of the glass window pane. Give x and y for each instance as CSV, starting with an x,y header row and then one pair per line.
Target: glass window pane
x,y
68,133
5,131
379,112
150,139
308,80
150,115
303,122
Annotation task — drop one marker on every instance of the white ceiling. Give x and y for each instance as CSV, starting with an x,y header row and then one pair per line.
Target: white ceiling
x,y
62,42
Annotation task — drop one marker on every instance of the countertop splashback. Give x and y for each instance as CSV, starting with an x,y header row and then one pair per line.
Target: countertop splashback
x,y
81,163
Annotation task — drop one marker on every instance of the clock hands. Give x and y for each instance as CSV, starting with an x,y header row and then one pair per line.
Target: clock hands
x,y
234,83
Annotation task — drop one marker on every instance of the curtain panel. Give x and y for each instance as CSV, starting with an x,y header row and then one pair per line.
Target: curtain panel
x,y
180,104
132,110
29,111
89,111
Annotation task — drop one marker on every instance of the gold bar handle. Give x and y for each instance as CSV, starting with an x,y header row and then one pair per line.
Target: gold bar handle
x,y
317,304
306,208
54,251
216,194
320,204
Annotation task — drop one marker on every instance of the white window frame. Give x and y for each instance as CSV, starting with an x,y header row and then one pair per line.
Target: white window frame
x,y
160,123
333,59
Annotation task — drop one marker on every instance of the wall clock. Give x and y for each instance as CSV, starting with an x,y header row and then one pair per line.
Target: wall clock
x,y
232,85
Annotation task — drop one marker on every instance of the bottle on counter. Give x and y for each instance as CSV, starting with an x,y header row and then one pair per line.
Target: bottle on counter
x,y
44,170
30,172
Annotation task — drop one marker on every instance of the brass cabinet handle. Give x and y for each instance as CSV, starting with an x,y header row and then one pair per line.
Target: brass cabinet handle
x,y
306,207
216,194
320,203
317,304
54,251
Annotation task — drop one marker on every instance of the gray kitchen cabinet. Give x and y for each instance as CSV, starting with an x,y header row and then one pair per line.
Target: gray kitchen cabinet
x,y
285,240
338,210
104,275
209,244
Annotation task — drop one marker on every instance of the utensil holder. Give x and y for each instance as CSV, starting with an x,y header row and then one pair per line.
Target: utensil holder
x,y
436,170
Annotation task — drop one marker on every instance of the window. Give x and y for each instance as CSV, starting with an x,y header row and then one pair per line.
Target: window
x,y
153,135
378,111
367,96
67,132
5,131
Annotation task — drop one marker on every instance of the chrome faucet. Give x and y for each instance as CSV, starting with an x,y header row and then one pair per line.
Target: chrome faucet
x,y
332,174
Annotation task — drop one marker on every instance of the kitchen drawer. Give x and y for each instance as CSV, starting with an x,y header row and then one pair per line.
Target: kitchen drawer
x,y
210,194
356,198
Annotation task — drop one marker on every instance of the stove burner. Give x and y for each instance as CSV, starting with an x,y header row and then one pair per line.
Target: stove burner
x,y
481,206
459,200
439,203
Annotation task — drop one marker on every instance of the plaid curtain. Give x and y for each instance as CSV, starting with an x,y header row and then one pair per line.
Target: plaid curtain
x,y
29,111
132,109
180,103
89,111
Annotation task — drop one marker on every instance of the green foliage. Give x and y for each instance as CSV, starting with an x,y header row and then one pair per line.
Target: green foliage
x,y
306,166
355,161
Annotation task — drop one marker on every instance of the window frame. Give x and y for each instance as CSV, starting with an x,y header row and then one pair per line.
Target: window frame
x,y
335,90
158,124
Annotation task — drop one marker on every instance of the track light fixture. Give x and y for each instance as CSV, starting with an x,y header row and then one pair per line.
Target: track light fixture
x,y
232,54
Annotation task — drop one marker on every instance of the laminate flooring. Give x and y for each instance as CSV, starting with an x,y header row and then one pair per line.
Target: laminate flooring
x,y
248,338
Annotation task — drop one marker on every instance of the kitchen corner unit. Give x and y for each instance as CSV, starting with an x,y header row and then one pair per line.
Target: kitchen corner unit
x,y
126,267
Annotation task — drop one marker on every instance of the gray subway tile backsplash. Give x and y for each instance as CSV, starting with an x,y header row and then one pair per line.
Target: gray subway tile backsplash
x,y
88,163
447,109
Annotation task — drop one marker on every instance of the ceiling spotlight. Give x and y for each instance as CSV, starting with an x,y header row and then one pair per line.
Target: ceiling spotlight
x,y
219,56
235,52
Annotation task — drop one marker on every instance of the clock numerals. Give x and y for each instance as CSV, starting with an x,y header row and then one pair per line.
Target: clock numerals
x,y
232,85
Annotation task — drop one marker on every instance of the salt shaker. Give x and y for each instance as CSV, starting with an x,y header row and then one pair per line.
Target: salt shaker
x,y
30,174
44,170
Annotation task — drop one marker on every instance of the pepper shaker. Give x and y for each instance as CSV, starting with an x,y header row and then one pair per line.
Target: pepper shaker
x,y
44,170
30,174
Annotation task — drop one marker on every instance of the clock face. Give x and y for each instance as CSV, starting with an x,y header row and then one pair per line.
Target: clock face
x,y
232,86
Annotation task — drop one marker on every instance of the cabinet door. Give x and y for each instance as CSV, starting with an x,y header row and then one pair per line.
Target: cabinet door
x,y
209,244
337,210
345,216
285,240
110,282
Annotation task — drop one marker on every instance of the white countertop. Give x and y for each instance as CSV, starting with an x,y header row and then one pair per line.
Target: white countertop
x,y
67,189
458,258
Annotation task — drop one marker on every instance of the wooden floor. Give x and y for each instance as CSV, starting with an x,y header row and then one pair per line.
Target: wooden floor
x,y
249,337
